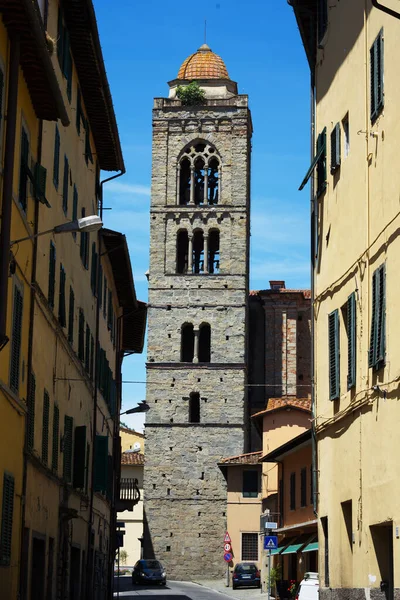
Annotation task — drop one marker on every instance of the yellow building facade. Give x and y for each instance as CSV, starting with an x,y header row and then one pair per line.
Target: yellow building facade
x,y
352,51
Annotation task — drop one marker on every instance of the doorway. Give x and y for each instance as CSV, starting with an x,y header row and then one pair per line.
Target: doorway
x,y
382,538
75,573
38,568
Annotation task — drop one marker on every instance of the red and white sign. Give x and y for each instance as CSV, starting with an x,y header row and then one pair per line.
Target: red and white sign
x,y
227,538
227,547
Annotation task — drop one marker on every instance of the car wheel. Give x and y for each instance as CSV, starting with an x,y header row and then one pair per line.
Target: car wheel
x,y
234,586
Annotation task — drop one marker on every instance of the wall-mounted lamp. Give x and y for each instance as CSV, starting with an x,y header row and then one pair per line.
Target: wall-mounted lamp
x,y
85,224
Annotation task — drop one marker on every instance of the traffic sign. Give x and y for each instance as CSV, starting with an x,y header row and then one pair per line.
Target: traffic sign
x,y
270,525
228,556
227,538
270,542
227,547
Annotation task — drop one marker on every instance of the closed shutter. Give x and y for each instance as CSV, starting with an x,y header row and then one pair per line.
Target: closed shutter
x,y
15,351
52,275
378,318
292,491
335,148
56,163
67,448
376,76
303,487
30,418
71,316
101,463
79,457
45,427
351,340
7,520
56,437
23,173
321,164
81,336
61,304
334,375
87,349
78,111
40,178
65,185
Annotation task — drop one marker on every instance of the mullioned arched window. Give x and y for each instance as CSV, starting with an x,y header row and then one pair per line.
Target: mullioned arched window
x,y
198,175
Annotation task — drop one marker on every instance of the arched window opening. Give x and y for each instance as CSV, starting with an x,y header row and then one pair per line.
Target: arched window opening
x,y
182,247
184,182
187,343
213,251
198,252
213,181
199,181
205,343
194,407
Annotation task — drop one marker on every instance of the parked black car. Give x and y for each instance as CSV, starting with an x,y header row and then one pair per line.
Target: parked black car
x,y
149,571
246,574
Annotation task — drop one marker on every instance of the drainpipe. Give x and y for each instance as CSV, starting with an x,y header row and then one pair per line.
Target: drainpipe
x,y
385,9
9,152
122,172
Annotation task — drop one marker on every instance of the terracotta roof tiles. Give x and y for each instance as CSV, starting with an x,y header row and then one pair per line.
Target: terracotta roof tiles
x,y
251,458
203,64
132,458
285,402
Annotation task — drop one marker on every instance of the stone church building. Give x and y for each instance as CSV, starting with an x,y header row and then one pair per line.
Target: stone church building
x,y
198,291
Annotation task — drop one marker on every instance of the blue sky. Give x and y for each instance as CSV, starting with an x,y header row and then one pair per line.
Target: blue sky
x,y
144,44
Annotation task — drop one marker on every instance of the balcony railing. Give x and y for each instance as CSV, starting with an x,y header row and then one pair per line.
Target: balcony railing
x,y
129,490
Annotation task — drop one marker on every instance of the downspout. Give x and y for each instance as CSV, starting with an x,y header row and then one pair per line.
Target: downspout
x,y
9,154
385,9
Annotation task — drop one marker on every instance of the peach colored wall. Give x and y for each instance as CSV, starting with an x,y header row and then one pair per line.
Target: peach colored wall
x,y
129,438
294,463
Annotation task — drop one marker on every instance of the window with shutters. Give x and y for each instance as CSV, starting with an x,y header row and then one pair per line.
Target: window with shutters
x,y
87,349
311,486
24,169
7,519
346,135
377,346
65,185
322,20
61,304
88,149
79,457
303,487
321,164
250,546
101,463
64,53
67,448
349,319
52,275
16,338
30,417
56,439
71,315
334,370
56,159
335,148
45,427
376,77
250,484
292,491
81,336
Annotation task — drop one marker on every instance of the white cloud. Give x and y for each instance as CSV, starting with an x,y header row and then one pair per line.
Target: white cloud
x,y
134,189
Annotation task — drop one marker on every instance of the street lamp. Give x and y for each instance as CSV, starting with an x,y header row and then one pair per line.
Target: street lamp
x,y
141,407
83,225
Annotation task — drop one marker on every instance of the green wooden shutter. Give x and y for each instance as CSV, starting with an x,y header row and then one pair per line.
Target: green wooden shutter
x,y
71,316
380,317
376,76
52,275
30,418
16,337
78,110
101,463
65,185
56,437
321,165
373,334
81,336
351,340
23,173
45,427
67,448
334,374
40,177
56,160
335,148
87,349
79,457
7,519
100,286
61,305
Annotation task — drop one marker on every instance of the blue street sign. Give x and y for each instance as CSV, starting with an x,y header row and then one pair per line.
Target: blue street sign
x,y
270,542
228,556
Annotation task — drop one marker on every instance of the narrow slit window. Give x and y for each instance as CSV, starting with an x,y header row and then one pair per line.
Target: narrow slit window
x,y
213,251
194,408
182,246
184,182
187,343
198,252
205,343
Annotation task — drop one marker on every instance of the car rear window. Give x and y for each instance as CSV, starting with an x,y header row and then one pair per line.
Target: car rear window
x,y
246,568
151,564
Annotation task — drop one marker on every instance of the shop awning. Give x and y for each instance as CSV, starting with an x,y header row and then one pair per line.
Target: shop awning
x,y
293,548
311,547
282,546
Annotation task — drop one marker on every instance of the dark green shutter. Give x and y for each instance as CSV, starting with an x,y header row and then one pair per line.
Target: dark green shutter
x,y
67,448
56,163
45,427
71,315
91,357
78,110
16,336
87,349
7,520
81,336
335,148
40,177
321,165
61,303
334,373
30,417
377,339
52,274
101,463
65,185
100,285
56,437
24,167
376,76
79,457
351,340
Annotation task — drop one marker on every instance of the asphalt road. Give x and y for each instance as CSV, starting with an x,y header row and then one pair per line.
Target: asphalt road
x,y
174,590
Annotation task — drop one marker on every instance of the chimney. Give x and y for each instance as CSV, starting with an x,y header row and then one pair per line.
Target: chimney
x,y
277,285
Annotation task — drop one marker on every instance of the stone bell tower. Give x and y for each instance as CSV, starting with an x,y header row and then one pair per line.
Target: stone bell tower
x,y
198,290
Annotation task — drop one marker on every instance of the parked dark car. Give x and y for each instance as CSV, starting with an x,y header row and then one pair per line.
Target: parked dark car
x,y
149,571
246,574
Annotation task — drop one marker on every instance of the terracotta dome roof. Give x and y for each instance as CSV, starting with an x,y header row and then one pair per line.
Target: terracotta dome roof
x,y
203,64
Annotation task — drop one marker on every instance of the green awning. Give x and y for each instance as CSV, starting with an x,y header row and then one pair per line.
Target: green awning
x,y
311,547
282,545
293,548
